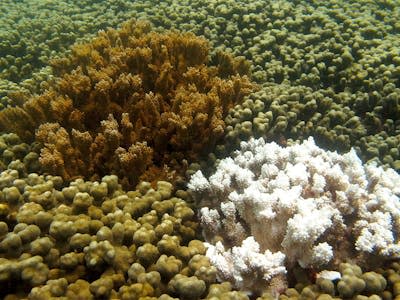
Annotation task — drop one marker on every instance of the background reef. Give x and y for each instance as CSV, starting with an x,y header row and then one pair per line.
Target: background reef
x,y
34,31
330,70
327,70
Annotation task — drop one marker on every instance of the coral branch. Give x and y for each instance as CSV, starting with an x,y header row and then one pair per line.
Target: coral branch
x,y
295,205
133,100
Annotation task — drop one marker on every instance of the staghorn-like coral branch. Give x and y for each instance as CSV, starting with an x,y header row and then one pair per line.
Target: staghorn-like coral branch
x,y
129,102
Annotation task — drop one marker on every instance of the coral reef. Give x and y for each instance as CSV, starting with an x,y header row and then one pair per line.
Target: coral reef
x,y
14,154
133,103
327,69
311,58
336,43
350,283
349,49
337,121
269,208
339,44
31,33
93,240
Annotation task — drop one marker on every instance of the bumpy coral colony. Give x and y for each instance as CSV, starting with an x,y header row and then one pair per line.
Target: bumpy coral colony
x,y
91,240
137,146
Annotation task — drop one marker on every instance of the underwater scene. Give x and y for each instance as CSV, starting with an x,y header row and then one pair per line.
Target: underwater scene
x,y
188,149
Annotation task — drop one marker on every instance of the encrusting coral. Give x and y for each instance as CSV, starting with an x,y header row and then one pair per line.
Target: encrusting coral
x,y
269,208
131,101
92,240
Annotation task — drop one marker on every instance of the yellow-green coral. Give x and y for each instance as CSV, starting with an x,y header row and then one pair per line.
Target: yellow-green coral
x,y
92,239
382,283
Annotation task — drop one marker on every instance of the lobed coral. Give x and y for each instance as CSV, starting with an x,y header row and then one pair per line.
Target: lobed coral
x,y
331,49
344,45
330,69
31,33
269,208
132,102
337,121
333,67
92,240
14,154
349,283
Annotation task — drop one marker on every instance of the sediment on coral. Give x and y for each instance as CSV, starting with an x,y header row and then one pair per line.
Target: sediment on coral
x,y
132,102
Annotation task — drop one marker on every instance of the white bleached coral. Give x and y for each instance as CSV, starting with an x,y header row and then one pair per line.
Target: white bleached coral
x,y
246,259
295,205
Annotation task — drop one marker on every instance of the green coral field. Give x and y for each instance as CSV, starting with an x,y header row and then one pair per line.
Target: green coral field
x,y
154,149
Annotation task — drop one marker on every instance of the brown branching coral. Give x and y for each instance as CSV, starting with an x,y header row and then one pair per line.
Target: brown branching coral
x,y
131,102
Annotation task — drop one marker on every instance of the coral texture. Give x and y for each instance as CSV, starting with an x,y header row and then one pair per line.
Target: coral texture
x,y
93,240
339,56
337,121
14,154
269,207
31,33
328,69
349,283
131,101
